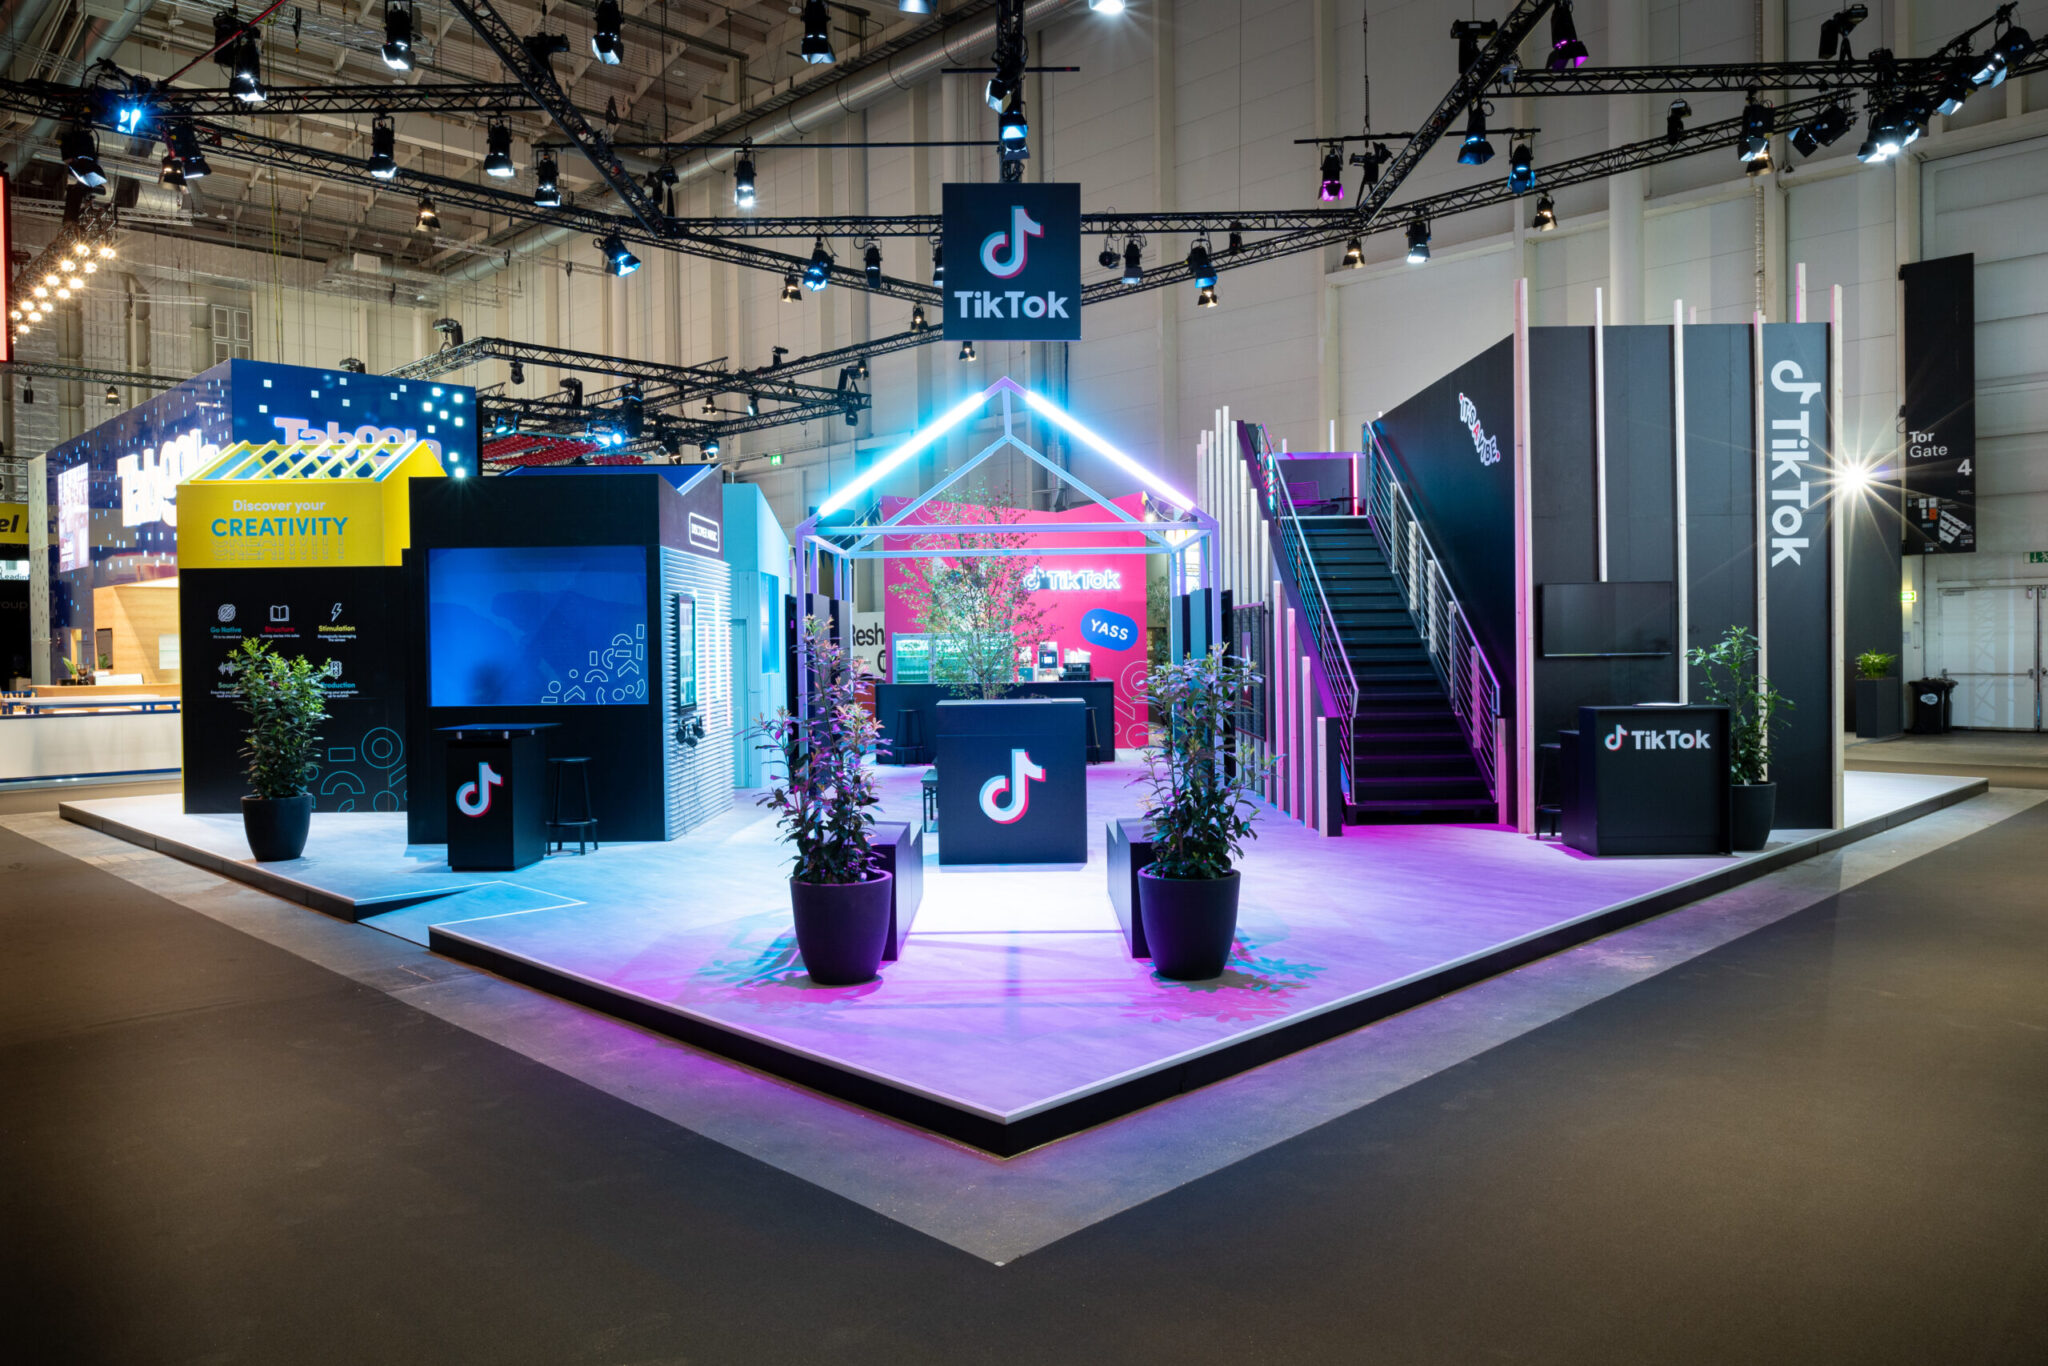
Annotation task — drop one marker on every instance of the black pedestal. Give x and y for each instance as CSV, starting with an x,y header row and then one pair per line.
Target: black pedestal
x,y
1013,784
497,796
900,845
1878,709
1129,843
1647,780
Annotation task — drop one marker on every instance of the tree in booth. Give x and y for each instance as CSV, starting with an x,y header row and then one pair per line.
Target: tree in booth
x,y
980,609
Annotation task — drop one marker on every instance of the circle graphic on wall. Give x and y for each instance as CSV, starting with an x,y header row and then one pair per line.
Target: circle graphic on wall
x,y
226,612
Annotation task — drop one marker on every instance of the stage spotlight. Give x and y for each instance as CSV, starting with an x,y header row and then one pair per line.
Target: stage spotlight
x,y
28,391
1822,130
917,319
113,396
1354,254
709,446
518,373
1012,128
853,417
1418,242
547,180
81,153
967,351
1758,122
1134,262
1107,257
1470,33
1889,135
171,174
450,330
938,262
131,116
397,35
871,262
1674,121
790,293
1206,298
607,42
353,366
913,6
617,260
185,143
1546,215
1332,188
427,220
1760,164
498,159
1200,269
574,389
860,369
383,163
1106,6
1477,151
1955,86
2011,44
1236,243
1566,51
1521,169
743,179
818,271
753,404
817,44
245,81
1834,33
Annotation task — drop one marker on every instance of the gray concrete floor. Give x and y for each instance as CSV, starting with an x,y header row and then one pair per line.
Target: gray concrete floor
x,y
2006,758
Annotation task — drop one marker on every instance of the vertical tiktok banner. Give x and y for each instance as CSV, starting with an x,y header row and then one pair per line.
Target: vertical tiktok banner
x,y
1798,527
1013,262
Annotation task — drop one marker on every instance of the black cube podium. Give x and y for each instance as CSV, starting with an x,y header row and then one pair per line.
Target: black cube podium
x,y
497,795
1647,780
1013,785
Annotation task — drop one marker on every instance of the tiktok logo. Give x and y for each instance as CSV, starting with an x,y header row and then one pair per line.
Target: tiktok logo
x,y
1021,228
1016,785
1614,740
473,799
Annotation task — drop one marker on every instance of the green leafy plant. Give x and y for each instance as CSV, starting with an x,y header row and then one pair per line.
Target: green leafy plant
x,y
285,703
1754,706
1201,806
980,609
824,798
1875,664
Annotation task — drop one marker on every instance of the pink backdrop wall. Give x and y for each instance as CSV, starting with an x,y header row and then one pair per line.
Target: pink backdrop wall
x,y
1080,615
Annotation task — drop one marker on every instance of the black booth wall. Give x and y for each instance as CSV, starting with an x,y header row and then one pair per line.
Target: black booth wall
x,y
647,784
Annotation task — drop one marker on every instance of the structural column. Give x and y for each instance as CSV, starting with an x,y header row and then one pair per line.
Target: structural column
x,y
1627,23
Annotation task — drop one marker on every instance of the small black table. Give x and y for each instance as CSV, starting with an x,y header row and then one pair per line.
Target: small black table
x,y
1013,781
1647,780
497,795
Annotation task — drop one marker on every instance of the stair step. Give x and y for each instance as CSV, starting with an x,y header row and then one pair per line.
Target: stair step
x,y
1457,766
1454,812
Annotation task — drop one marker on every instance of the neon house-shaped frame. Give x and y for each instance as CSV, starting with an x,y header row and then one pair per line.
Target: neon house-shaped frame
x,y
831,531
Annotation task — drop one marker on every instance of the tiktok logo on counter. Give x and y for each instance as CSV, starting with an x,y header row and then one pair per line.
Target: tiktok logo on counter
x,y
473,799
1660,739
1016,784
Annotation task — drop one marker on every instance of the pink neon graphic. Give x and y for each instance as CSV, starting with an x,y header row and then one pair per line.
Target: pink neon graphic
x,y
1022,228
473,799
1017,783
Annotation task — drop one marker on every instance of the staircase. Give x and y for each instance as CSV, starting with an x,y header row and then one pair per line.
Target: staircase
x,y
1410,762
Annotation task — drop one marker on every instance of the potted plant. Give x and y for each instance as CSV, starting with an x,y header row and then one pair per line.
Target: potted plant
x,y
285,701
1732,681
824,801
1200,811
1878,711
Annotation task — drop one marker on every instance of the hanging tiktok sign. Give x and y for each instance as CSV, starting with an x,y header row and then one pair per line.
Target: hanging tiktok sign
x,y
1013,262
1797,566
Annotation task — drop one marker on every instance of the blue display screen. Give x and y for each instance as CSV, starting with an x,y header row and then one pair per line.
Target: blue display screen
x,y
537,626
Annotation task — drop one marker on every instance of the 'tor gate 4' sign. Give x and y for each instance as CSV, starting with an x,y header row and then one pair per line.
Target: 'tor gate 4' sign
x,y
1013,262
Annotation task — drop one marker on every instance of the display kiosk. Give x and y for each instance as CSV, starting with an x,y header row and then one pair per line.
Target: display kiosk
x,y
1647,780
497,795
1013,781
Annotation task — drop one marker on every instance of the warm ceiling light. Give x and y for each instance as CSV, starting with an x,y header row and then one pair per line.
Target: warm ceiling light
x,y
398,35
498,157
383,163
607,37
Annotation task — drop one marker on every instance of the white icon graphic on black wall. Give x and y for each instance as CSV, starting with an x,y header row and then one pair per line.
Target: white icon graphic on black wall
x,y
226,612
280,614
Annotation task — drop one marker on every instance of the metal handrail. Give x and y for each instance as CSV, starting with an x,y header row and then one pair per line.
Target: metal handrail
x,y
1454,652
1322,622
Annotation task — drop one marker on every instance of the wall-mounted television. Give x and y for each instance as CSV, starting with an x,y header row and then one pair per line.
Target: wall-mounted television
x,y
686,651
1606,620
518,626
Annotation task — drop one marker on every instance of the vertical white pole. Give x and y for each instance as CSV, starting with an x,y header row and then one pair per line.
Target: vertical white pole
x,y
1600,430
1799,292
1678,490
1836,540
1525,644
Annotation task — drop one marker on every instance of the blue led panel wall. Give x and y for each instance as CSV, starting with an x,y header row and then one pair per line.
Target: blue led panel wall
x,y
537,626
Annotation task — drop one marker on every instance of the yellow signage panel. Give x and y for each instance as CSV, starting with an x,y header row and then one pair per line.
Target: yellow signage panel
x,y
14,522
299,521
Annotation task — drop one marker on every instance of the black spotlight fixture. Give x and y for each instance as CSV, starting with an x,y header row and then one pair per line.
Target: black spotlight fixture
x,y
1822,130
860,369
790,293
709,446
113,396
1674,121
1107,257
1566,51
185,143
753,404
853,417
633,412
1418,242
28,391
1546,215
967,351
427,219
917,319
743,179
817,44
1760,164
1470,33
607,41
354,366
938,262
245,80
1521,169
1236,243
710,409
1955,85
617,260
2009,46
1012,128
871,262
1834,32
81,153
1134,262
451,332
574,389
518,373
1206,297
1759,120
547,180
1200,269
172,173
1476,151
398,34
383,163
818,270
1354,254
1332,188
498,156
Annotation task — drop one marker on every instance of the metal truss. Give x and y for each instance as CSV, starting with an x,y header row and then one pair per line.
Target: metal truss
x,y
86,374
547,417
659,382
1113,224
1728,76
88,103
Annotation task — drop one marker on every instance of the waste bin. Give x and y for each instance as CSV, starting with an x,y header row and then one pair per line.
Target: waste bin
x,y
1931,707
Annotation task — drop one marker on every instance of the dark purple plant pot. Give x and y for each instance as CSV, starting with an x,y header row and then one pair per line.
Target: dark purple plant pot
x,y
277,826
1190,923
841,928
1753,807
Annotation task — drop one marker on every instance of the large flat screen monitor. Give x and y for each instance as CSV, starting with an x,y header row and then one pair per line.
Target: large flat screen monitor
x,y
521,626
1606,620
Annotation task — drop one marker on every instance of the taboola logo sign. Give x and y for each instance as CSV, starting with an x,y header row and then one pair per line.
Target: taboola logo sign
x,y
1623,738
473,799
1018,242
1112,630
1016,785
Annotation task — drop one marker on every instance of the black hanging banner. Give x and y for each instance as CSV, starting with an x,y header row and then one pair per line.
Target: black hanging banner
x,y
1797,514
1940,476
1013,262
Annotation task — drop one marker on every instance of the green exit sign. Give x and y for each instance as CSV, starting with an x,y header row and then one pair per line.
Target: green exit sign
x,y
2037,557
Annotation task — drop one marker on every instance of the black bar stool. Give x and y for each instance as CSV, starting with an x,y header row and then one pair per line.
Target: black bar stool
x,y
585,825
1094,740
906,740
930,786
1549,810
